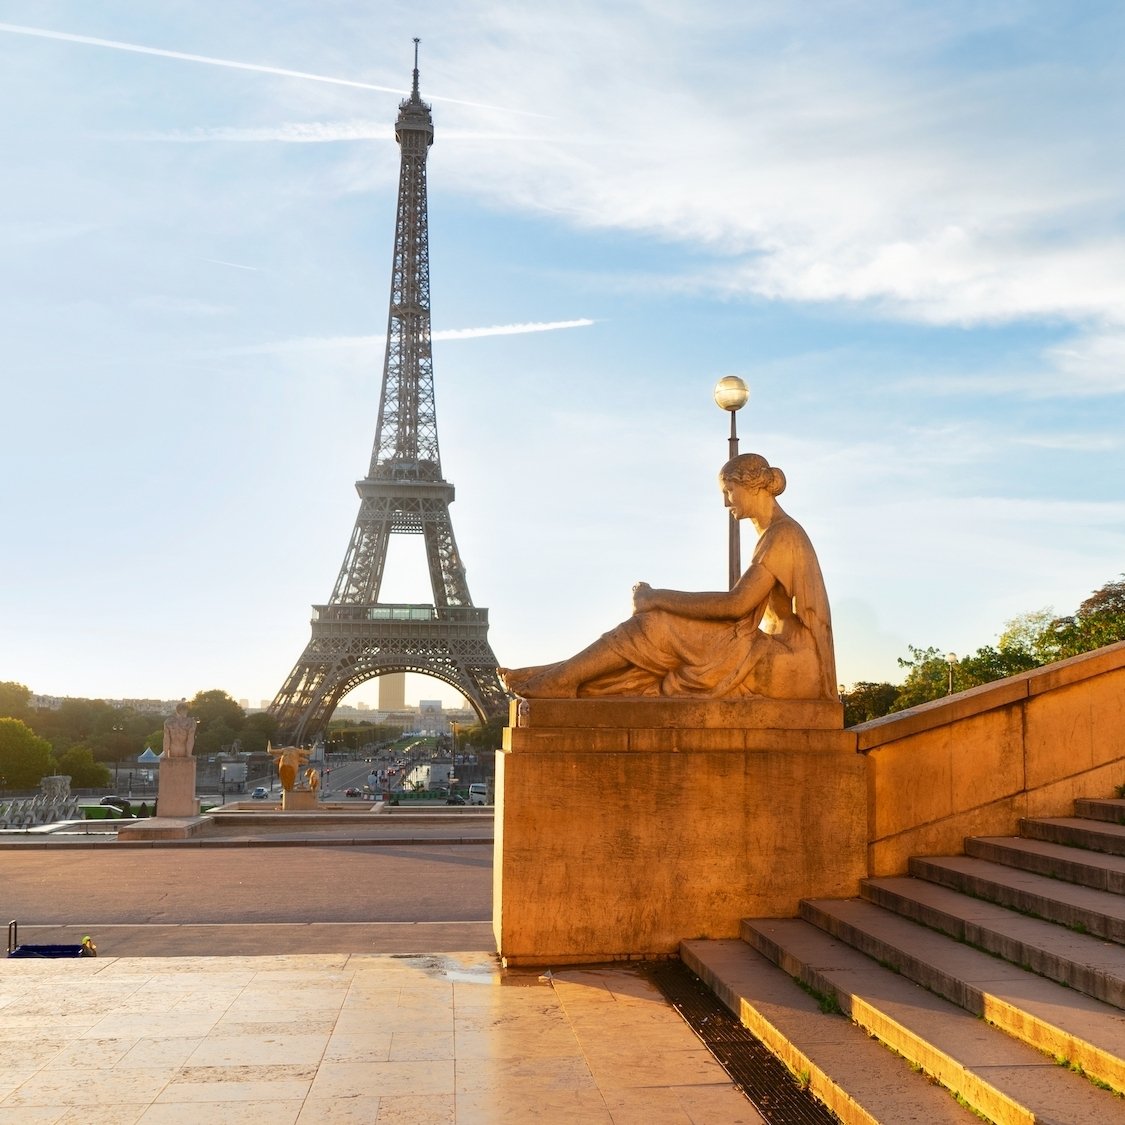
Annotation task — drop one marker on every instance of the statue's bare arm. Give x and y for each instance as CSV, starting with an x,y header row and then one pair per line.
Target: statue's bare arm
x,y
750,590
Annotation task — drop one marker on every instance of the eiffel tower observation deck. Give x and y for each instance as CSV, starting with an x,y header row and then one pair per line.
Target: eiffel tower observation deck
x,y
356,636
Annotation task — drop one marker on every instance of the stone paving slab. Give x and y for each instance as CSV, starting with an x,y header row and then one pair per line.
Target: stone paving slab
x,y
336,1038
295,1018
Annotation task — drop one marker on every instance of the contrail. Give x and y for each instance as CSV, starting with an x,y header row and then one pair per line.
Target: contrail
x,y
233,265
91,41
303,343
509,329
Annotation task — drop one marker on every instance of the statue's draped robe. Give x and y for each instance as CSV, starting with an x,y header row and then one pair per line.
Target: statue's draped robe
x,y
782,649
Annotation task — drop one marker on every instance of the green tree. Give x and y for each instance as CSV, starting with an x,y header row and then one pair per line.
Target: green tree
x,y
1029,633
867,701
216,707
75,722
988,664
25,758
112,733
220,721
213,737
926,679
260,726
15,700
1098,621
84,773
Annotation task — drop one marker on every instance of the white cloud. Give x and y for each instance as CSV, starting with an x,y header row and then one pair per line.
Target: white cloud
x,y
853,160
1093,361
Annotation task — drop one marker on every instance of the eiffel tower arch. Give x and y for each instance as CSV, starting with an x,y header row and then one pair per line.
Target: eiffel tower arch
x,y
355,636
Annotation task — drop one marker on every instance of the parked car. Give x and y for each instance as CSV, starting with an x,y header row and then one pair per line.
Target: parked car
x,y
118,802
455,799
260,793
352,791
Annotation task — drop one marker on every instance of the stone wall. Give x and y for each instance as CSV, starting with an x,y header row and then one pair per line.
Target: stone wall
x,y
975,763
624,827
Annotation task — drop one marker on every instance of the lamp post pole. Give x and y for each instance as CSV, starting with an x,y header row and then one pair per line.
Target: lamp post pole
x,y
118,729
731,394
951,660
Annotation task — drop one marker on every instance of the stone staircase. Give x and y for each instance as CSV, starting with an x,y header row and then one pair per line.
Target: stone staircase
x,y
986,985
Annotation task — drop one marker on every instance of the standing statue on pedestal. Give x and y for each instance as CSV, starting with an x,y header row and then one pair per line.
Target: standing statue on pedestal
x,y
179,733
289,760
176,792
769,637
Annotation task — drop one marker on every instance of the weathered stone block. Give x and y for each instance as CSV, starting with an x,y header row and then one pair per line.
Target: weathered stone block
x,y
603,854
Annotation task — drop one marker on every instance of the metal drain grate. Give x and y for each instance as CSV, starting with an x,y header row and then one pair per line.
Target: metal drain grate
x,y
754,1070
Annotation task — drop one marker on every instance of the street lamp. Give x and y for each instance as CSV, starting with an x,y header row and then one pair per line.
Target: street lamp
x,y
951,660
731,394
118,729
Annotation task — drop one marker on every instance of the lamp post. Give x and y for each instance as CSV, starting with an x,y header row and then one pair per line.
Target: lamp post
x,y
731,394
951,660
118,729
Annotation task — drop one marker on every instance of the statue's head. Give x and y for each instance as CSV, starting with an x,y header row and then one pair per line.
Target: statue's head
x,y
752,470
181,708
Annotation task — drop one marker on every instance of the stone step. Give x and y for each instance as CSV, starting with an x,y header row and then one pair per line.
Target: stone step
x,y
994,1074
1076,832
854,1075
1078,960
1100,809
1080,908
1064,1023
1071,865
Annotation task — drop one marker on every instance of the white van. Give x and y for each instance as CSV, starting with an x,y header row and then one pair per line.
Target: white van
x,y
478,793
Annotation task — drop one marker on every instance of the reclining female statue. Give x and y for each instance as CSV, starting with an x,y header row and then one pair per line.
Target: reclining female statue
x,y
768,637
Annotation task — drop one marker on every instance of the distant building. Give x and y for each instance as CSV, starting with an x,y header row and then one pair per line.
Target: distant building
x,y
392,692
146,706
430,720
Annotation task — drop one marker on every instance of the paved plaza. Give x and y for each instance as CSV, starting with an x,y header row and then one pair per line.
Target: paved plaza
x,y
287,1005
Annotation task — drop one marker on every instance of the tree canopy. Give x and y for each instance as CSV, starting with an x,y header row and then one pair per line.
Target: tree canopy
x,y
14,700
1028,641
78,764
25,758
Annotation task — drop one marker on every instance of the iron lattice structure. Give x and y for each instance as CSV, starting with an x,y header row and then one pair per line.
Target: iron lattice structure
x,y
356,637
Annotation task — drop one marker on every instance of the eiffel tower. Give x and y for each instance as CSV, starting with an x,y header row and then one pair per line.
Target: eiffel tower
x,y
356,637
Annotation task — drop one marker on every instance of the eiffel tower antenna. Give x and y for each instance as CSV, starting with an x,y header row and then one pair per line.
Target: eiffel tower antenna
x,y
356,637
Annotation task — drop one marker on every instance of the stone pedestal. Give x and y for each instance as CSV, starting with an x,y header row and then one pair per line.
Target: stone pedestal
x,y
626,826
175,794
298,800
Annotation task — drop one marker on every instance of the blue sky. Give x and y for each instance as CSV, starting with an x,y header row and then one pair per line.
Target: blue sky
x,y
901,223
